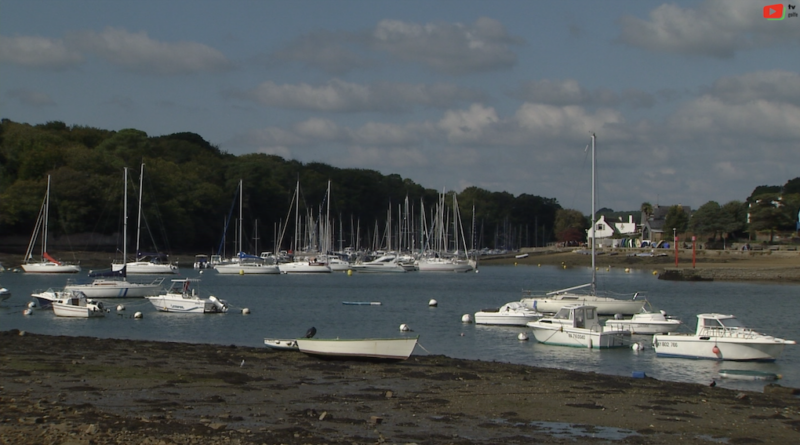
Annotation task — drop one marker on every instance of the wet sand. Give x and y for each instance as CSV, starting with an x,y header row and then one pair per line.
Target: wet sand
x,y
78,390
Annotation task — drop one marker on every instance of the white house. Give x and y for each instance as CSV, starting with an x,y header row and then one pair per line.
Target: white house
x,y
607,229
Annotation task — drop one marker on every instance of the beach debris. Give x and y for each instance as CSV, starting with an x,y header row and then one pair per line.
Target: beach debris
x,y
713,383
375,420
241,364
466,318
404,328
325,416
433,303
522,336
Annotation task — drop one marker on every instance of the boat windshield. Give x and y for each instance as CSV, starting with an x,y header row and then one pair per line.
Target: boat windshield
x,y
731,323
562,314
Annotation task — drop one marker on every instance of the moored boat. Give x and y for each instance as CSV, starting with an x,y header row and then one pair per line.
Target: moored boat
x,y
509,314
5,294
747,374
577,326
365,348
645,323
183,297
720,337
77,305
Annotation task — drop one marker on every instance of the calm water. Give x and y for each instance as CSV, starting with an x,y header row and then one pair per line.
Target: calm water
x,y
285,306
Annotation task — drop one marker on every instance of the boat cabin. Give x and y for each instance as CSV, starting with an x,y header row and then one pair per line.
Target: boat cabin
x,y
578,316
718,325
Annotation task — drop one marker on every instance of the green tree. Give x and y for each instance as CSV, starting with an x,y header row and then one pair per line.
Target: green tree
x,y
707,220
676,220
733,217
568,222
769,213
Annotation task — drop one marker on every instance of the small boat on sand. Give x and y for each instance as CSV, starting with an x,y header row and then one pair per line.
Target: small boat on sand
x,y
362,349
282,344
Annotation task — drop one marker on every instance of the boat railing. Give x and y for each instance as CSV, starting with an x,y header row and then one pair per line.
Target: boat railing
x,y
745,333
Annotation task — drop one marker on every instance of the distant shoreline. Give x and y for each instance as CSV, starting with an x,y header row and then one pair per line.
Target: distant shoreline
x,y
721,265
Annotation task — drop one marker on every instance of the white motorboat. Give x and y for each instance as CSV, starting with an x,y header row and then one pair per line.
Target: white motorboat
x,y
577,325
308,266
645,323
281,344
336,263
509,314
365,349
384,264
77,305
182,297
553,301
720,337
46,263
45,299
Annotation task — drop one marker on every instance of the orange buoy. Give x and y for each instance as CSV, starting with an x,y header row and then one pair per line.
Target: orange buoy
x,y
715,350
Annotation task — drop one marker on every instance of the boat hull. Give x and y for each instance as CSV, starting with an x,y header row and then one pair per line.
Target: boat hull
x,y
116,289
605,306
146,268
369,349
247,269
179,304
701,347
443,266
50,268
557,335
281,344
303,267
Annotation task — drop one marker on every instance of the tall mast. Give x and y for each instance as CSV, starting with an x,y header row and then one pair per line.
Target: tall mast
x,y
139,223
46,217
594,268
125,222
240,219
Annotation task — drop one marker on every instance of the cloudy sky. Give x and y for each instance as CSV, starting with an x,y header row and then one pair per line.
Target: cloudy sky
x,y
691,101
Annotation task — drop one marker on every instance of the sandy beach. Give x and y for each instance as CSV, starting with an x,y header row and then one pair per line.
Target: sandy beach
x,y
78,390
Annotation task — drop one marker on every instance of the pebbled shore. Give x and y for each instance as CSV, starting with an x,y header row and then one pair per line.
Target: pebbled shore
x,y
79,390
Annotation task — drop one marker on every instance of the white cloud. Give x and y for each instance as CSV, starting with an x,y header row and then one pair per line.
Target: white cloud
x,y
452,48
715,28
139,53
468,126
38,52
340,96
779,86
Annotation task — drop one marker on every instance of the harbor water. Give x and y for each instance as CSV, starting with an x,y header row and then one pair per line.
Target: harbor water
x,y
286,306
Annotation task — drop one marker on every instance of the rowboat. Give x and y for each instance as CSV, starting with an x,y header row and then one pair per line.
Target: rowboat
x,y
365,348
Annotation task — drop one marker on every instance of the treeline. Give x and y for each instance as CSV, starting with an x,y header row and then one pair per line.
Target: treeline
x,y
189,187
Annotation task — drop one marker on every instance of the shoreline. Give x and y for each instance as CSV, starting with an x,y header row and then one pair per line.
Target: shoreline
x,y
59,389
766,266
710,265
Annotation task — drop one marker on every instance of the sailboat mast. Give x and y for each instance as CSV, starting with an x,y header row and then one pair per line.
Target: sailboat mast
x,y
46,217
594,268
240,219
139,223
125,221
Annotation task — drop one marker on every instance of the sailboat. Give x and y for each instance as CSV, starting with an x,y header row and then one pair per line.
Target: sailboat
x,y
439,260
552,302
245,264
115,284
46,264
308,265
146,263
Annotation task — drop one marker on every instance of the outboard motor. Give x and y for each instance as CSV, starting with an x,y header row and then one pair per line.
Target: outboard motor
x,y
311,332
220,305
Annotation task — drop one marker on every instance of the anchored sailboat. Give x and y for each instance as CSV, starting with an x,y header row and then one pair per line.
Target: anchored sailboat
x,y
46,263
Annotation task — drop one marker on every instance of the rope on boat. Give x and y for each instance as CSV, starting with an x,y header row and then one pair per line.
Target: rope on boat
x,y
423,348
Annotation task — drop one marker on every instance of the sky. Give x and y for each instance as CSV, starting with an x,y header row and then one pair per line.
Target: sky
x,y
691,101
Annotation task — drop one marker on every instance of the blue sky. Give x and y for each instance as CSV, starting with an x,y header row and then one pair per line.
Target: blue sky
x,y
691,101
